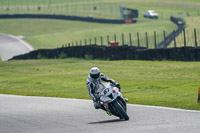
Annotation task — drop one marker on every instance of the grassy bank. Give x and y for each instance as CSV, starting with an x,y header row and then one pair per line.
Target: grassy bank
x,y
166,83
104,8
45,33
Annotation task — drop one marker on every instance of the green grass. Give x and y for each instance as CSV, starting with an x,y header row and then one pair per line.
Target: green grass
x,y
105,8
67,7
160,83
45,33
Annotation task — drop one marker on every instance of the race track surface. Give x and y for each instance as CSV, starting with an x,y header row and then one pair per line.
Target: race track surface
x,y
12,46
20,114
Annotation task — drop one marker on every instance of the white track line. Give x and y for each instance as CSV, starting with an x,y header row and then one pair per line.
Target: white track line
x,y
133,105
165,108
22,42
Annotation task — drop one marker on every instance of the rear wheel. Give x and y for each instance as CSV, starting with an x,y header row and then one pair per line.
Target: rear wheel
x,y
121,110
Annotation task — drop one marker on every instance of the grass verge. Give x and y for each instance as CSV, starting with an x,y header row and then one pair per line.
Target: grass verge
x,y
165,83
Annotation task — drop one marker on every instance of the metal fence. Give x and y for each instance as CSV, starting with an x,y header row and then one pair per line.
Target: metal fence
x,y
152,40
92,8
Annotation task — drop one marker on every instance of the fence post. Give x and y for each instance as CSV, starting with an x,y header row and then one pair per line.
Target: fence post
x,y
138,39
184,37
147,41
101,41
174,34
115,38
95,41
155,43
122,39
76,43
188,14
108,39
164,35
130,39
90,41
195,37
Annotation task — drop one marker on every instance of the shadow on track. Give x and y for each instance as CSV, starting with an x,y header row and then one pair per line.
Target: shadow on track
x,y
106,121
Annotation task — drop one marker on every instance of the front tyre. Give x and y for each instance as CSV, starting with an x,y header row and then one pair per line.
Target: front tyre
x,y
121,110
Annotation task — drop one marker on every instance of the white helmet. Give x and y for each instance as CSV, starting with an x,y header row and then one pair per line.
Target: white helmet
x,y
94,73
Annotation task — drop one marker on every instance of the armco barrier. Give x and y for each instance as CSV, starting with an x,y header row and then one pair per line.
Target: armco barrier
x,y
181,25
116,53
63,17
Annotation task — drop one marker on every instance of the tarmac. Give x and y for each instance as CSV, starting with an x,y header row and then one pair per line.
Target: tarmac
x,y
12,46
29,114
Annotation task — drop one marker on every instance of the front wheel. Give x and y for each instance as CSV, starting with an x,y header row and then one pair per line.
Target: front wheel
x,y
121,110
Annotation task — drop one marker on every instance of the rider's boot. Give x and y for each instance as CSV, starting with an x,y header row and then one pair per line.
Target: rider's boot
x,y
108,112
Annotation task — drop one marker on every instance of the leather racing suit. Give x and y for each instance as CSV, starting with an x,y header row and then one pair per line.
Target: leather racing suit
x,y
93,85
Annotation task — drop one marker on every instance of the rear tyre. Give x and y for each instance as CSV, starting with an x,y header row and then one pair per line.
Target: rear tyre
x,y
121,110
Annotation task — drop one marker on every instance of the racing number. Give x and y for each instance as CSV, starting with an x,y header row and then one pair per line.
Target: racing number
x,y
105,91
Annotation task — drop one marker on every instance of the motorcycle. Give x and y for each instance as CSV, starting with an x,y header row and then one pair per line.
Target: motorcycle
x,y
112,100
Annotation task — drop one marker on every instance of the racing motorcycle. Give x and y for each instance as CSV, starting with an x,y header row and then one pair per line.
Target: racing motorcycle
x,y
112,100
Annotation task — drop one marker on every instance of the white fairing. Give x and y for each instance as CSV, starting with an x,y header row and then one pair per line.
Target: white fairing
x,y
107,94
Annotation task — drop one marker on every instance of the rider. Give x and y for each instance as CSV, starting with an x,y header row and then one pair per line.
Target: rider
x,y
93,81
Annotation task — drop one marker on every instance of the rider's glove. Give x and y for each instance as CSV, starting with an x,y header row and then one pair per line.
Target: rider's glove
x,y
117,85
94,99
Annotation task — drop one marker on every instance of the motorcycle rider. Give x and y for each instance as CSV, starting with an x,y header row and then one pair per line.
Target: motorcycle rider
x,y
93,81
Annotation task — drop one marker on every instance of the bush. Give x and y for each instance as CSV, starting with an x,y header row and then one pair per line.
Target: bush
x,y
41,56
62,55
89,57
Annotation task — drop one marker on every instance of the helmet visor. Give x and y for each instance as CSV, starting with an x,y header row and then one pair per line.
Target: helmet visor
x,y
95,76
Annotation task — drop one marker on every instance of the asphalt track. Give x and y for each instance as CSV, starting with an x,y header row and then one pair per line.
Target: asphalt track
x,y
21,114
12,46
